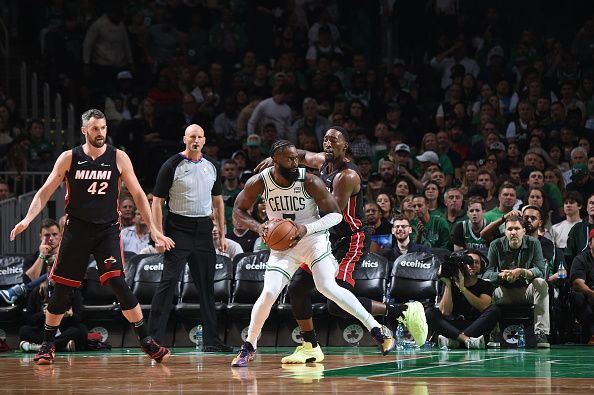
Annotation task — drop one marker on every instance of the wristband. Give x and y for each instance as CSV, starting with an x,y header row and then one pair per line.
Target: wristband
x,y
42,257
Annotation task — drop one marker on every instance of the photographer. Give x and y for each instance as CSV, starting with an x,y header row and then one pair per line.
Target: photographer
x,y
465,314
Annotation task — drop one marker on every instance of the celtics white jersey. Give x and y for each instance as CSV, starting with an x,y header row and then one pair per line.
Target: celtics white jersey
x,y
291,202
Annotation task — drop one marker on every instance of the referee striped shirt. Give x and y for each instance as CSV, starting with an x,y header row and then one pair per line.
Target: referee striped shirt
x,y
188,185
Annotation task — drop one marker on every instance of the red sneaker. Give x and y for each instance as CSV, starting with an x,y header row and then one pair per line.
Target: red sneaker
x,y
45,355
156,352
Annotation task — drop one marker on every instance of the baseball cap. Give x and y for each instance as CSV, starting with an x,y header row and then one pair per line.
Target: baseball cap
x,y
497,146
238,153
402,147
124,75
428,156
495,51
578,171
253,140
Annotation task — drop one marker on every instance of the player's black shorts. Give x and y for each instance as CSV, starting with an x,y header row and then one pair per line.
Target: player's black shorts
x,y
80,239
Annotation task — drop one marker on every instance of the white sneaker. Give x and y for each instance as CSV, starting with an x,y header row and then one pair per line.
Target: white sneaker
x,y
445,343
475,342
29,347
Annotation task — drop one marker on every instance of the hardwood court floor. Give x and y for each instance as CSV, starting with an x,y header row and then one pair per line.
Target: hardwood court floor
x,y
360,370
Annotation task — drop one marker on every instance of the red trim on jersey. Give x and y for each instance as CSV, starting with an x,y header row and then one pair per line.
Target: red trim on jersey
x,y
347,265
64,281
106,276
349,214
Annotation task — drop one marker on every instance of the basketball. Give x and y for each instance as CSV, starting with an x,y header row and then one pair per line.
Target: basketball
x,y
279,234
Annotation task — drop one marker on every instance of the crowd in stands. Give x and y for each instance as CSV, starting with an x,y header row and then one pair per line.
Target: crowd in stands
x,y
486,114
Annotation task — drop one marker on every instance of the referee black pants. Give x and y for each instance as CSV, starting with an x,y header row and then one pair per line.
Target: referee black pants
x,y
194,245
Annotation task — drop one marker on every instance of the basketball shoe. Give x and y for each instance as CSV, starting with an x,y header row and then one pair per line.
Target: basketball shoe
x,y
28,346
45,355
445,343
415,321
155,351
384,339
245,356
475,342
304,354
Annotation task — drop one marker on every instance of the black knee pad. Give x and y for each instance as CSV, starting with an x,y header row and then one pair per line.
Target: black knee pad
x,y
60,300
121,290
299,294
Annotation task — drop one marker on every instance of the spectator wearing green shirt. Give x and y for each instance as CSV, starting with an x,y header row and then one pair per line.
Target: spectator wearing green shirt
x,y
230,190
535,179
454,201
517,267
429,230
507,201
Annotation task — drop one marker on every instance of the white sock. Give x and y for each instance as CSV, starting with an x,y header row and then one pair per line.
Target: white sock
x,y
274,282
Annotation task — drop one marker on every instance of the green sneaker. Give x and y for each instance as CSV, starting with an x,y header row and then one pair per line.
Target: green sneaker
x,y
416,323
304,354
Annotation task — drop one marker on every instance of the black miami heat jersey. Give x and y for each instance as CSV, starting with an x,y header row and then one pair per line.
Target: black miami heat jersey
x,y
353,218
93,187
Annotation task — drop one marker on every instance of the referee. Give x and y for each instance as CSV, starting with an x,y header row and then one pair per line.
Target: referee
x,y
191,184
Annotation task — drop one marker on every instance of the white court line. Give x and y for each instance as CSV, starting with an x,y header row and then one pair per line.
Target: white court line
x,y
435,367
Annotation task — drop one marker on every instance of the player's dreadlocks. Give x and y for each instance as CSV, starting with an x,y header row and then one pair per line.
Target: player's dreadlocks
x,y
280,145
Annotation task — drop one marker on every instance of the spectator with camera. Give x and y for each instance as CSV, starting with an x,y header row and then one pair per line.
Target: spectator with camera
x,y
465,315
517,267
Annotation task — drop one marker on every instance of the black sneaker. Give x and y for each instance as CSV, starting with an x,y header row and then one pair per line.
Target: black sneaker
x,y
542,340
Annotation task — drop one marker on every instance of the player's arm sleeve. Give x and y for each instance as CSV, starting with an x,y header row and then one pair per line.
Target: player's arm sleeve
x,y
164,180
326,222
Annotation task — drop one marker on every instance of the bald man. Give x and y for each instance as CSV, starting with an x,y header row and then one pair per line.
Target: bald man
x,y
191,183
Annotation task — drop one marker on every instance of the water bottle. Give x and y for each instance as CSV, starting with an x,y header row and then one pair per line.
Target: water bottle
x,y
198,337
562,271
521,337
399,335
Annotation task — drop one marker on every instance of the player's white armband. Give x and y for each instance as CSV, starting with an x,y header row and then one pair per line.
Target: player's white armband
x,y
324,223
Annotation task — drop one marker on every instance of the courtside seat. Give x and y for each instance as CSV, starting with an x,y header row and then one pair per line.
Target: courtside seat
x,y
11,316
101,310
131,266
146,280
289,334
371,277
248,285
414,277
187,310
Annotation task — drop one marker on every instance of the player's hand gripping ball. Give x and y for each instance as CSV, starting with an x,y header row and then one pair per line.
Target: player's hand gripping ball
x,y
278,237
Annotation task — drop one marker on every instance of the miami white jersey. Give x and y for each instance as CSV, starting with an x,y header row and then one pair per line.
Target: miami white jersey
x,y
291,202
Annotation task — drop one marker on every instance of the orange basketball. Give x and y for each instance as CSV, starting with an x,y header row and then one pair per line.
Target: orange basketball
x,y
279,234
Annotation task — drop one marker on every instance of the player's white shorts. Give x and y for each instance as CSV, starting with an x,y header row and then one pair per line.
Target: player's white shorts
x,y
310,250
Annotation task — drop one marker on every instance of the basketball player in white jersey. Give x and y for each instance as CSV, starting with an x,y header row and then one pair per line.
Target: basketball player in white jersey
x,y
291,193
